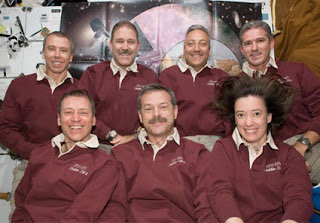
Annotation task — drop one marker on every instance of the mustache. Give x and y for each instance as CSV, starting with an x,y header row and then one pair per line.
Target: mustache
x,y
255,51
125,51
157,119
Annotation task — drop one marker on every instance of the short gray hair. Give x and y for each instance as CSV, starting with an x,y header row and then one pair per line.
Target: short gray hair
x,y
198,27
59,34
156,87
124,23
253,25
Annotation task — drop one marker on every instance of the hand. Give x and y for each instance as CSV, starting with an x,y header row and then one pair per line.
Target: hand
x,y
119,139
302,148
309,168
289,221
234,220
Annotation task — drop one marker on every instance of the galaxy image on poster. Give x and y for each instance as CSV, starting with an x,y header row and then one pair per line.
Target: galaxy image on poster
x,y
228,18
161,25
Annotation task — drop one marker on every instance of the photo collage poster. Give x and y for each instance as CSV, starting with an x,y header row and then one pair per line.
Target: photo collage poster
x,y
162,26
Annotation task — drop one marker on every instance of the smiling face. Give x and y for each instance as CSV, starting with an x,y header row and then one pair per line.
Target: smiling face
x,y
196,49
57,54
124,46
256,48
76,119
157,115
252,120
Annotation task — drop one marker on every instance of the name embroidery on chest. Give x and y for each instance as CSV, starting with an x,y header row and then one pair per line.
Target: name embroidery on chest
x,y
179,159
276,166
287,79
78,168
138,87
212,83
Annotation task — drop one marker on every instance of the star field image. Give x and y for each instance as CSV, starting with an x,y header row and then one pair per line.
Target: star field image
x,y
236,14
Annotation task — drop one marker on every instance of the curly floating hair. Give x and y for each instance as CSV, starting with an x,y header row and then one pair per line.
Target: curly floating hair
x,y
277,95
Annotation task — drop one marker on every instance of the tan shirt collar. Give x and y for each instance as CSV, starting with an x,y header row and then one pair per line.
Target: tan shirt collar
x,y
115,68
142,136
184,67
41,74
248,70
238,140
253,155
93,142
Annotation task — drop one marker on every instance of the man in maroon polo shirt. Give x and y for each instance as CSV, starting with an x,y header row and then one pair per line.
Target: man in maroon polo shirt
x,y
28,116
302,128
114,86
70,179
165,173
194,82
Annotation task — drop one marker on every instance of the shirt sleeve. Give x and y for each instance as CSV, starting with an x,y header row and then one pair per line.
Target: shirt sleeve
x,y
166,80
89,204
297,189
87,82
11,123
203,211
310,92
221,191
117,209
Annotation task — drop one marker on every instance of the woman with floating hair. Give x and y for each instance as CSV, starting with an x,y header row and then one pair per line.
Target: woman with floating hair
x,y
254,177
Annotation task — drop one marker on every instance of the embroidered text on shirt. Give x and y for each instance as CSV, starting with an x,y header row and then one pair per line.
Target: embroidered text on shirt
x,y
212,82
139,87
273,167
179,159
287,79
79,169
